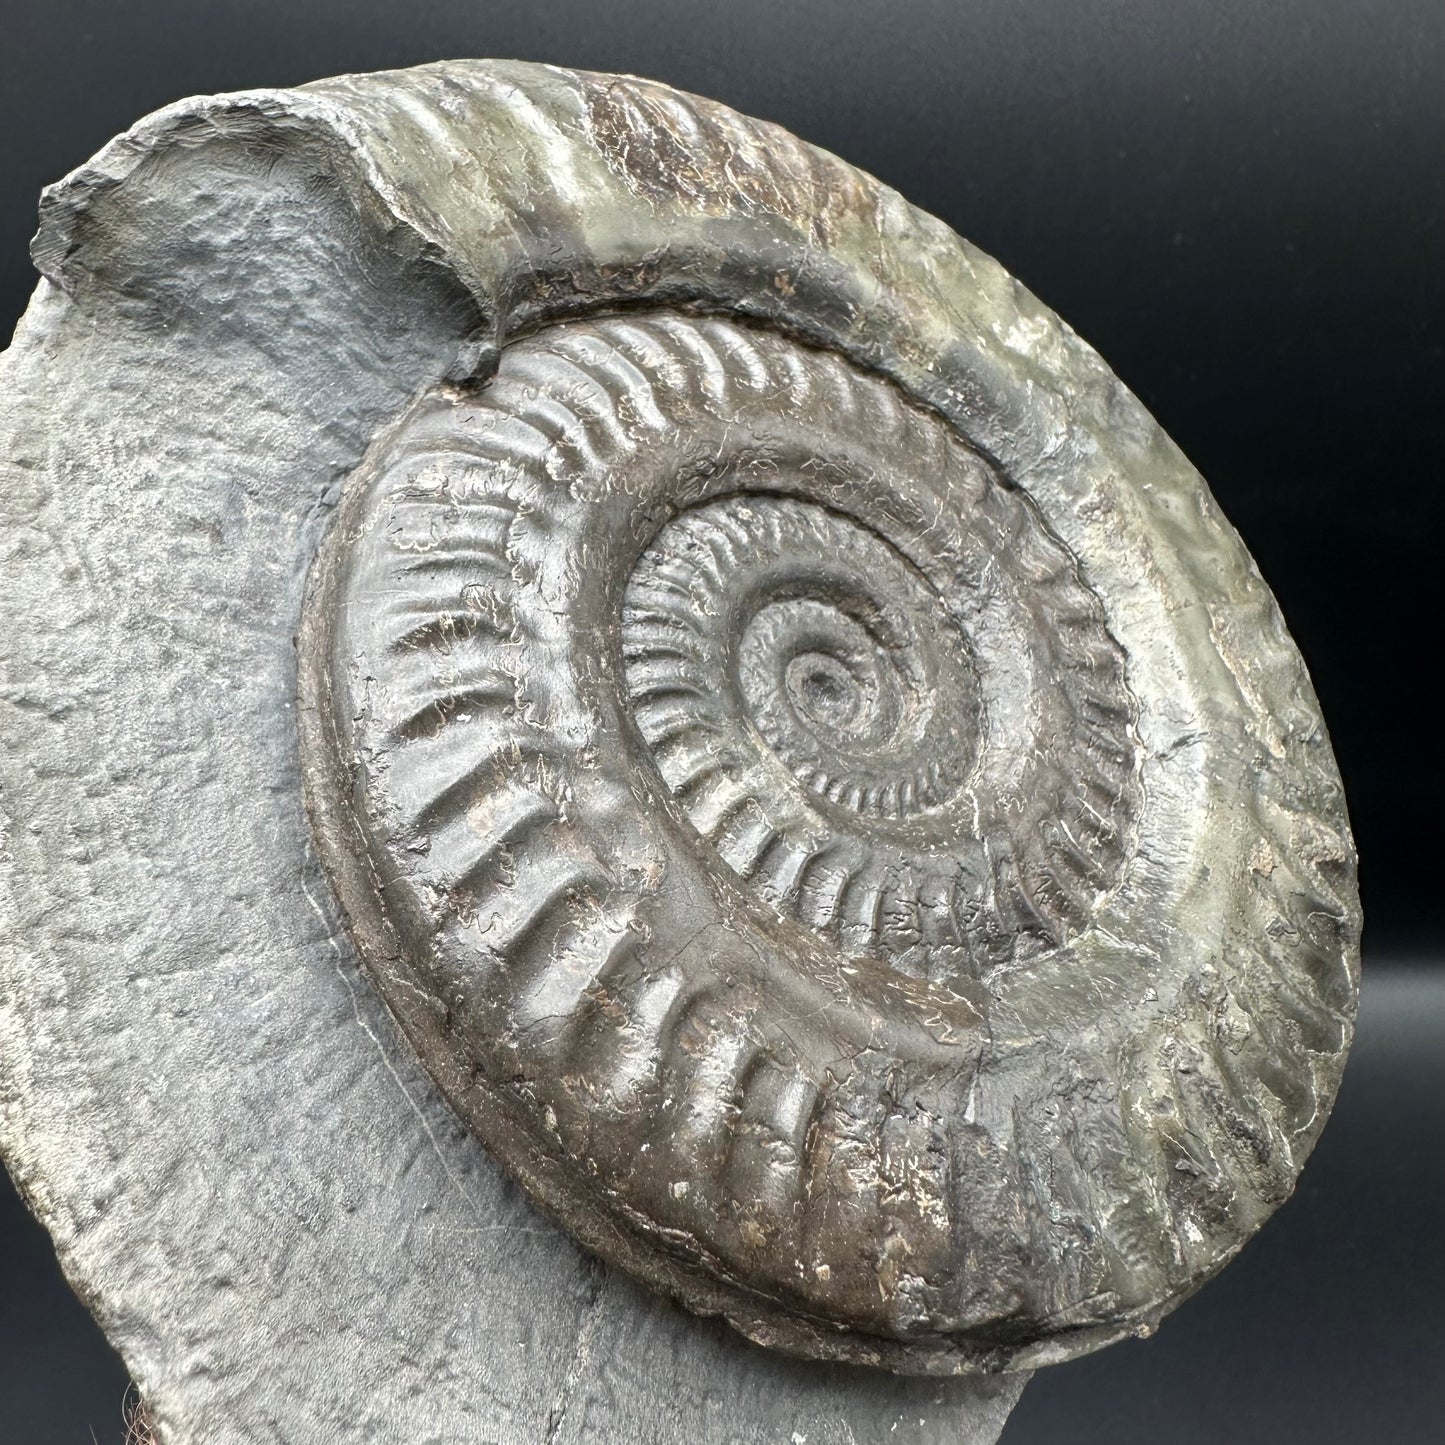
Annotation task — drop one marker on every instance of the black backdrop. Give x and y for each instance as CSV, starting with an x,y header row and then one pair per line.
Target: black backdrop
x,y
1240,204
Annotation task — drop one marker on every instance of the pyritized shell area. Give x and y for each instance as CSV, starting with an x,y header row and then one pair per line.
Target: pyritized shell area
x,y
724,768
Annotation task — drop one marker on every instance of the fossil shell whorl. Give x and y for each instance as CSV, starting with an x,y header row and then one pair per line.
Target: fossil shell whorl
x,y
725,753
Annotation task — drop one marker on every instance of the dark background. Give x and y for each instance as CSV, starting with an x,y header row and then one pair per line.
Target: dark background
x,y
1240,204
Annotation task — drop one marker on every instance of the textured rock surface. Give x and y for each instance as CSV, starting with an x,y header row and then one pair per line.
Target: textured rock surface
x,y
272,1210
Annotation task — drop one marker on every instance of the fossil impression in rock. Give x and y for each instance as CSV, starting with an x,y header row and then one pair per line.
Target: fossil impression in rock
x,y
825,794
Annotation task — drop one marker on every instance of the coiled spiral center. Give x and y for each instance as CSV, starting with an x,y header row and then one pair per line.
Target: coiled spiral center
x,y
814,703
845,665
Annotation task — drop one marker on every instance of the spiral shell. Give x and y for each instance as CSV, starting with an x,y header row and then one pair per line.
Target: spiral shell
x,y
738,786
827,799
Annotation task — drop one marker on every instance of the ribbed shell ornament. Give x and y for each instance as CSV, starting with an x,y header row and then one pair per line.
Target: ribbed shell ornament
x,y
820,785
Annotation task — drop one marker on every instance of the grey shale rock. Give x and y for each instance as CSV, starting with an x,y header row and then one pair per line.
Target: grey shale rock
x,y
552,564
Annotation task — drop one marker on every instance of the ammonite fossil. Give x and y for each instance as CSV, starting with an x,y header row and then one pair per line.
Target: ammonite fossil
x,y
825,794
747,790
